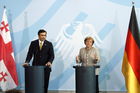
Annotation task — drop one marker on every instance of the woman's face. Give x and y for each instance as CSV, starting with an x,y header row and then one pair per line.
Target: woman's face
x,y
88,43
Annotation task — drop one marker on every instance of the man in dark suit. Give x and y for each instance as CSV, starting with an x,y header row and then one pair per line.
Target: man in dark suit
x,y
42,52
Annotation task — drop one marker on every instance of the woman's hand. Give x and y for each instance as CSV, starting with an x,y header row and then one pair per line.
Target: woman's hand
x,y
77,59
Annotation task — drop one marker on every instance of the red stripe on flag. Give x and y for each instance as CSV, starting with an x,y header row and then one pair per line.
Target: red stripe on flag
x,y
6,50
133,53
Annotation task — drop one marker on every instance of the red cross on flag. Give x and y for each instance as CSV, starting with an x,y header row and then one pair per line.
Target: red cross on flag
x,y
8,74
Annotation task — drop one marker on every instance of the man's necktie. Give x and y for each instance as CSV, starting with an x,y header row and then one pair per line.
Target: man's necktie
x,y
40,45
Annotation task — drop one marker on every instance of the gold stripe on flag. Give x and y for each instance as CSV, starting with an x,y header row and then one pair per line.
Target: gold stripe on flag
x,y
131,81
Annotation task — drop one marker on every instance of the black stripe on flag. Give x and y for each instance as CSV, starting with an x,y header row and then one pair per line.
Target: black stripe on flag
x,y
133,26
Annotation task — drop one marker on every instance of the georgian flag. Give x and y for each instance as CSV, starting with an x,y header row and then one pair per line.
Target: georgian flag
x,y
8,74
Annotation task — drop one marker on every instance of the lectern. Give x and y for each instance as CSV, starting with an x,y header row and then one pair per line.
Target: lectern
x,y
35,79
85,79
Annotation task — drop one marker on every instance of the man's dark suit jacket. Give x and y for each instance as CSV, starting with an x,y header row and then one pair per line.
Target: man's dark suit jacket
x,y
40,57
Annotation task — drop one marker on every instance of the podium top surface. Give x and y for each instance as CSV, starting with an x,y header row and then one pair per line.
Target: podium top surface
x,y
41,67
96,66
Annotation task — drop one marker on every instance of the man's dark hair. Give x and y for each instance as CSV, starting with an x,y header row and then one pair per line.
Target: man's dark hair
x,y
42,31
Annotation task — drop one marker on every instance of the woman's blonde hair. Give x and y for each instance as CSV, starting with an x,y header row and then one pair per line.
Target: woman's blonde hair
x,y
89,38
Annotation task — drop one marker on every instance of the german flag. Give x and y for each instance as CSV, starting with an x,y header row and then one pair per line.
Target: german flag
x,y
131,59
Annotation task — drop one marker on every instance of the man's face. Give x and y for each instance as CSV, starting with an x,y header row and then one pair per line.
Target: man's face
x,y
42,36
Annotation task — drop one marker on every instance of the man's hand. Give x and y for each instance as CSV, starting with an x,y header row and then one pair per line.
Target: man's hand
x,y
25,64
49,64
